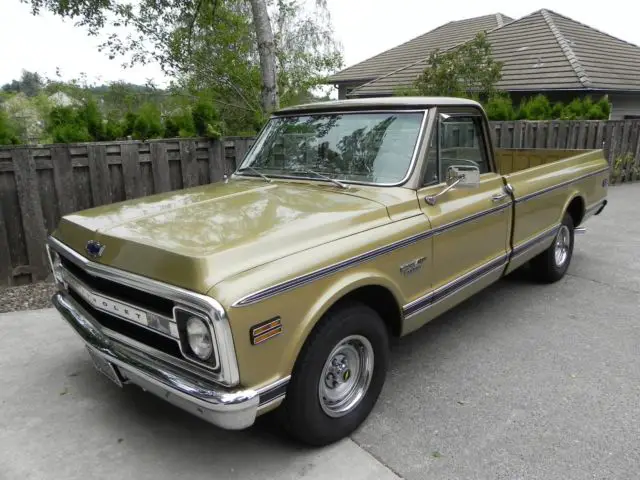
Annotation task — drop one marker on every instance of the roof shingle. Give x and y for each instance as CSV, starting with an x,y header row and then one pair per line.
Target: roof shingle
x,y
443,37
541,51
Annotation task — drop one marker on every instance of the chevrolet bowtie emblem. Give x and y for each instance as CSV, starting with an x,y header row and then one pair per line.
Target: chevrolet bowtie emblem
x,y
94,248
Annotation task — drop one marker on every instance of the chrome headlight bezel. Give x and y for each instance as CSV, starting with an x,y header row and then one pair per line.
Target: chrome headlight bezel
x,y
182,314
55,264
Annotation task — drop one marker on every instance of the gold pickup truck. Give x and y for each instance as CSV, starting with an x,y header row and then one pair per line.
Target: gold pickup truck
x,y
347,223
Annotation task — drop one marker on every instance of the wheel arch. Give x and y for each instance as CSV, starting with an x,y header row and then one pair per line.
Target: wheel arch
x,y
575,206
370,288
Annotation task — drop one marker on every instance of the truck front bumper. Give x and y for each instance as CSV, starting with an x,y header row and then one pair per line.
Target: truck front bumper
x,y
228,409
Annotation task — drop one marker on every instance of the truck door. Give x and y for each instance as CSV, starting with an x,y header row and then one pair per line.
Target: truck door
x,y
471,226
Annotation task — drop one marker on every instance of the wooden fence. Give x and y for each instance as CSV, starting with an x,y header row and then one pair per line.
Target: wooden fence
x,y
39,184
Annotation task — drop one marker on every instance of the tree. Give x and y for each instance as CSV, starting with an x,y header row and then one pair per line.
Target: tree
x,y
267,52
30,84
246,53
466,71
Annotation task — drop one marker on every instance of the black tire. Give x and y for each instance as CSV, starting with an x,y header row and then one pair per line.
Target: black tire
x,y
302,414
545,267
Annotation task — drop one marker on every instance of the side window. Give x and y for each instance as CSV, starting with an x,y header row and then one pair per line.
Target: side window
x,y
457,140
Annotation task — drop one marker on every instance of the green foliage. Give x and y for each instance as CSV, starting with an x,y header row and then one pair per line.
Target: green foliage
x,y
624,169
536,108
209,49
499,107
114,128
30,83
466,71
67,125
148,123
91,116
8,131
180,124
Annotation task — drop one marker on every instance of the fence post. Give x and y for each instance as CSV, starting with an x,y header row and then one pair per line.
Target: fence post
x,y
35,234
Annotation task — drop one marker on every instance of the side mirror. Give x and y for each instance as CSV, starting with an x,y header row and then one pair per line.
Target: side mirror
x,y
458,176
464,176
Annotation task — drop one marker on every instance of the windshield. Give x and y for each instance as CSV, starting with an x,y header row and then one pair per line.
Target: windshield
x,y
357,147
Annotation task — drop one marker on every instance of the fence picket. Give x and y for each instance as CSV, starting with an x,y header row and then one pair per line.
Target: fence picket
x,y
188,163
5,254
63,179
99,174
160,167
35,234
130,170
216,161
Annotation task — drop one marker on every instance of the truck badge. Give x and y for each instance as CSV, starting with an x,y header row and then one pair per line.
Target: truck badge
x,y
94,248
412,267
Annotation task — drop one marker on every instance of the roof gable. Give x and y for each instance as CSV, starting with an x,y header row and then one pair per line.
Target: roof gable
x,y
608,62
542,51
442,37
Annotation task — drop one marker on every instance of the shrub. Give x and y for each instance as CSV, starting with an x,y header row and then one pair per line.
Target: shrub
x,y
114,128
8,131
66,125
180,124
148,123
536,108
500,108
206,120
91,116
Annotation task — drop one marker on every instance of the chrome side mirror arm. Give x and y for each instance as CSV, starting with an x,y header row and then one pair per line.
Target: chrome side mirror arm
x,y
433,199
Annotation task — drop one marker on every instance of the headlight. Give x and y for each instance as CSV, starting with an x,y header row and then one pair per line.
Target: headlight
x,y
199,338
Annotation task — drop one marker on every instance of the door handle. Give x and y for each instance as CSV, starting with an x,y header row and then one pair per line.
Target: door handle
x,y
498,197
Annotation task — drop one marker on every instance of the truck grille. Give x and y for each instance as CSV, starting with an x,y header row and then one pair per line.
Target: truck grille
x,y
132,313
146,314
142,299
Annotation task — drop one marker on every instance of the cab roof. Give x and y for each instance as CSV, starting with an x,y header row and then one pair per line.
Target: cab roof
x,y
382,103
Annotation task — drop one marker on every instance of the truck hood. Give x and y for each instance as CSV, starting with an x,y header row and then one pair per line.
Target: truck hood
x,y
195,238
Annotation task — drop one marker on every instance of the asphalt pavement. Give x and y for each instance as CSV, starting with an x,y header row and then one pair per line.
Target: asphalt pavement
x,y
523,381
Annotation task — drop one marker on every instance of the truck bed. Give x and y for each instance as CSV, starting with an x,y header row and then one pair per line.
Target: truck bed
x,y
512,160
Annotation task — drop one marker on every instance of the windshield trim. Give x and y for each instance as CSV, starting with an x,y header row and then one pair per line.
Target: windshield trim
x,y
410,170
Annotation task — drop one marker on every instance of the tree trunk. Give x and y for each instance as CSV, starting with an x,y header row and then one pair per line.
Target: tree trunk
x,y
267,52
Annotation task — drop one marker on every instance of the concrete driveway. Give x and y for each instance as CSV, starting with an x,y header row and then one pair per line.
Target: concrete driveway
x,y
522,381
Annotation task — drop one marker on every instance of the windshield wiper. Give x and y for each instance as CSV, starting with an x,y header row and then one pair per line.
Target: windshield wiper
x,y
333,180
267,179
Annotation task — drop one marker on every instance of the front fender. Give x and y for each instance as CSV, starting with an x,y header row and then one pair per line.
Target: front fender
x,y
340,288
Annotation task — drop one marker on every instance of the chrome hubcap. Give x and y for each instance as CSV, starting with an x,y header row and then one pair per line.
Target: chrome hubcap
x,y
346,376
562,244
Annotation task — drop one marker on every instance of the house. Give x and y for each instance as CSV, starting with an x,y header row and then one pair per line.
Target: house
x,y
61,99
543,52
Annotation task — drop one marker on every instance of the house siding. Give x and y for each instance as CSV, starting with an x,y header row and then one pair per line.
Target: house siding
x,y
624,105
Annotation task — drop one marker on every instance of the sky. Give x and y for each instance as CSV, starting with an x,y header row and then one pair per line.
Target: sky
x,y
365,28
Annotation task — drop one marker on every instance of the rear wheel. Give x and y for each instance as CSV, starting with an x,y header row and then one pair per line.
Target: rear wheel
x,y
338,376
552,264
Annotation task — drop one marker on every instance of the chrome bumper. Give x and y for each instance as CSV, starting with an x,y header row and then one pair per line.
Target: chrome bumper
x,y
228,409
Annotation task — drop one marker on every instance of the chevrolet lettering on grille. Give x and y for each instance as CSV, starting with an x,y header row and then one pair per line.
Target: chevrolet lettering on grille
x,y
106,304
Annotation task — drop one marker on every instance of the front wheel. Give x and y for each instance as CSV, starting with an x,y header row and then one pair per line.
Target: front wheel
x,y
551,265
338,376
